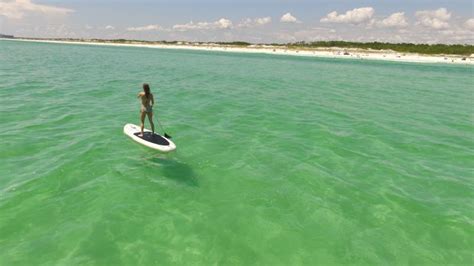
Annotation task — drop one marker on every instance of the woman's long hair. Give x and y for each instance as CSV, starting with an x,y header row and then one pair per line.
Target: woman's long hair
x,y
146,89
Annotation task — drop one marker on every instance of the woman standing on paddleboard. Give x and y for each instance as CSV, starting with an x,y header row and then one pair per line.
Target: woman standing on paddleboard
x,y
146,108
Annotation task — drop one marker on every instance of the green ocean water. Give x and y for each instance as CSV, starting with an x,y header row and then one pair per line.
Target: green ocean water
x,y
280,161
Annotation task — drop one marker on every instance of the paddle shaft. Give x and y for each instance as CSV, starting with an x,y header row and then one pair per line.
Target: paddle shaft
x,y
166,135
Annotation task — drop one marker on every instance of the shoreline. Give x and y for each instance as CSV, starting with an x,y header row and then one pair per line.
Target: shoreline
x,y
334,52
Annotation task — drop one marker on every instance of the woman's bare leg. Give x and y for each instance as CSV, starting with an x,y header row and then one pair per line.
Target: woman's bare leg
x,y
142,120
150,118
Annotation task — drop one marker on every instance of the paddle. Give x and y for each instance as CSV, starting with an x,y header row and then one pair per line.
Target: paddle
x,y
166,135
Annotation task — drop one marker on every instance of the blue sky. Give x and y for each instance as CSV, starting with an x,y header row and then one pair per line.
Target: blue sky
x,y
432,21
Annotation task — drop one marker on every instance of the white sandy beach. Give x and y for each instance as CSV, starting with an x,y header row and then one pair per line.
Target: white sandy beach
x,y
333,52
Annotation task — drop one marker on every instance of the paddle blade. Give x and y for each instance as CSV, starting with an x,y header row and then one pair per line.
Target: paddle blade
x,y
167,136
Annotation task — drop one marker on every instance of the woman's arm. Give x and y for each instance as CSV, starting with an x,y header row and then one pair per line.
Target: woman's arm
x,y
139,94
152,100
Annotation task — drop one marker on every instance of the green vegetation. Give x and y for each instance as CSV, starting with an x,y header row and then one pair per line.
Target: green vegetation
x,y
440,49
168,42
6,36
238,43
457,49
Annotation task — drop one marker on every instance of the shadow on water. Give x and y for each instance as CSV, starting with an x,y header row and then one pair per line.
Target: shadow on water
x,y
175,170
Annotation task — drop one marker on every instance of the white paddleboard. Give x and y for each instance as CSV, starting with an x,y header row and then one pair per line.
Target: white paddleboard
x,y
149,139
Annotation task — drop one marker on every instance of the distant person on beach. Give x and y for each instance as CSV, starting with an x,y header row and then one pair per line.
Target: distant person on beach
x,y
146,108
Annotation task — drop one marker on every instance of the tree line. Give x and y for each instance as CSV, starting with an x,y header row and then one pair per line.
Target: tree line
x,y
451,49
458,49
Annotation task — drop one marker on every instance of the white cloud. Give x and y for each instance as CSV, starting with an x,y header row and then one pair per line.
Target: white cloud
x,y
17,9
219,24
249,23
286,37
109,27
469,24
354,16
263,21
456,34
145,28
246,23
396,20
288,18
224,23
436,19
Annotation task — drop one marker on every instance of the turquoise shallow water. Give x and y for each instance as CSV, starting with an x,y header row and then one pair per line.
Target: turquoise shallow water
x,y
280,160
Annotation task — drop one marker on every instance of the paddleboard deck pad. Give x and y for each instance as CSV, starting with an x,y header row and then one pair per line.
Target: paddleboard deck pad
x,y
149,139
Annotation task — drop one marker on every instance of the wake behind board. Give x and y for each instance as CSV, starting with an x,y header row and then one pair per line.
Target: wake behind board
x,y
149,139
